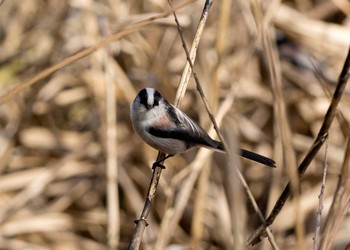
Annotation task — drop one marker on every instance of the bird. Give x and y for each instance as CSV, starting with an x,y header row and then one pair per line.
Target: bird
x,y
169,130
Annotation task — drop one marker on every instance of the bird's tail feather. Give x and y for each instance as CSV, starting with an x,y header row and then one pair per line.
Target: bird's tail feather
x,y
249,155
256,157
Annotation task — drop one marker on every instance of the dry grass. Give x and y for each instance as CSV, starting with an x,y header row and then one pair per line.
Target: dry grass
x,y
74,175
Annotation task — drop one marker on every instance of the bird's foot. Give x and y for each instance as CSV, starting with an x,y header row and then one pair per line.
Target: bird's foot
x,y
158,163
142,219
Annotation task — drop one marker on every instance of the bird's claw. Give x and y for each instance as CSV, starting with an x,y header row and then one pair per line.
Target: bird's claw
x,y
142,219
157,164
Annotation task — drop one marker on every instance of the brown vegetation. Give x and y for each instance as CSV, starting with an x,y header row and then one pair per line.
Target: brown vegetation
x,y
74,175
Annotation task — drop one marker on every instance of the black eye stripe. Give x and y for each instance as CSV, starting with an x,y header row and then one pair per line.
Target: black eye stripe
x,y
149,98
143,97
157,98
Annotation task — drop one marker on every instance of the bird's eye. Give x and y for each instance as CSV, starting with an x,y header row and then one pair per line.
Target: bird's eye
x,y
156,98
143,97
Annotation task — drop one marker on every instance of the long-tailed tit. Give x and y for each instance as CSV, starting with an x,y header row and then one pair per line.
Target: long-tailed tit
x,y
169,130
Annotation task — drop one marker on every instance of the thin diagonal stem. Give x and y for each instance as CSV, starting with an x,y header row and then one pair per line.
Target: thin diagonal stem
x,y
321,137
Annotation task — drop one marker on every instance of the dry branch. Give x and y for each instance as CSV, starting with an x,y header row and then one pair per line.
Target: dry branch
x,y
141,223
340,205
321,137
320,205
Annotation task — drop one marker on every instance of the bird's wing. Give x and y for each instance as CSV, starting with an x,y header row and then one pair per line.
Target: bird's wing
x,y
183,135
186,130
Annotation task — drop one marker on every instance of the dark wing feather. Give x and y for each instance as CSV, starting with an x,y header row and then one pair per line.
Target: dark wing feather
x,y
197,133
185,129
183,135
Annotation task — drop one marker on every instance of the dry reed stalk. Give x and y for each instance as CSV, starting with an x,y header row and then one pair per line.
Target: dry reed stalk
x,y
85,52
309,204
220,45
19,244
315,35
33,189
142,223
65,113
282,122
234,188
67,199
197,230
320,205
321,137
340,205
112,156
103,63
187,71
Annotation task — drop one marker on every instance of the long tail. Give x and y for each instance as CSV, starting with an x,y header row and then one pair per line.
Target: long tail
x,y
258,158
247,154
204,140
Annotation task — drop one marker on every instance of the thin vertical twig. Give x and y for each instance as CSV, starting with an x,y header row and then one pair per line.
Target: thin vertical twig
x,y
320,203
233,187
340,204
315,147
142,223
187,71
113,212
198,85
197,228
112,166
203,183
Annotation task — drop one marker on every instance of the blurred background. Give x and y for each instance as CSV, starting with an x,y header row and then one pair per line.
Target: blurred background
x,y
67,141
